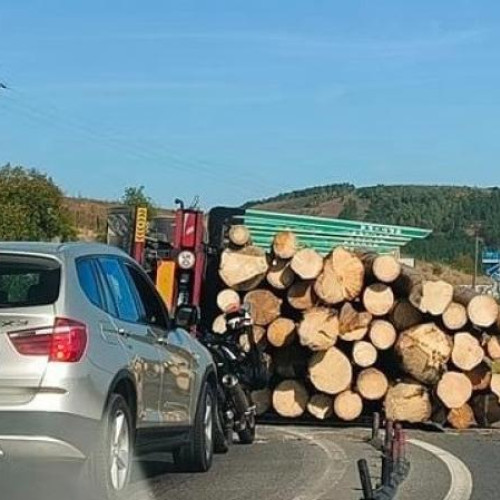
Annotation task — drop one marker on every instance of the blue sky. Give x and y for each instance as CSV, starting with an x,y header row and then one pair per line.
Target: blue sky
x,y
235,100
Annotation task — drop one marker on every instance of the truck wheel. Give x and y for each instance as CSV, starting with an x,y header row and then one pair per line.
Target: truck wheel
x,y
197,455
107,470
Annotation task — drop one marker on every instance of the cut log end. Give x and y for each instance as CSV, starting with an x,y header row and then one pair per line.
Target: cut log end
x,y
239,235
320,406
480,377
353,324
319,329
467,352
483,311
432,297
493,348
364,354
372,384
243,269
281,332
307,264
408,402
280,274
386,268
454,389
219,324
378,299
285,245
265,307
455,316
330,371
228,299
301,295
348,406
382,334
461,418
290,399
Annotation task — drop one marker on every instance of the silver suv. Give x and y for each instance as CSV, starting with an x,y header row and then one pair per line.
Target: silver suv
x,y
92,368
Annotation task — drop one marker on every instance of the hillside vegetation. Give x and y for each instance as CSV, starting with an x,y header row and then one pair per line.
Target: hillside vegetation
x,y
453,213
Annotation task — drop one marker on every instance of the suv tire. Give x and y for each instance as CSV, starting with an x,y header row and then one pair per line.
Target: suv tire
x,y
107,470
197,455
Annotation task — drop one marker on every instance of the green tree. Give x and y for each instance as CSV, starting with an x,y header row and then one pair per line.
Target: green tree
x,y
32,207
136,197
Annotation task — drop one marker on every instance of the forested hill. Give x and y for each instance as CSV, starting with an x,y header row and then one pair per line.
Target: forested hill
x,y
453,213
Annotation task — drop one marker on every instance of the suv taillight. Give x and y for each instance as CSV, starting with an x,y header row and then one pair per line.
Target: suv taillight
x,y
64,342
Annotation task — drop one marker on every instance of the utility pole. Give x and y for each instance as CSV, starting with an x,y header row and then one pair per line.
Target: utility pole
x,y
476,258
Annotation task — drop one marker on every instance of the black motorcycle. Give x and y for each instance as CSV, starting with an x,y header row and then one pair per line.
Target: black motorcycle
x,y
239,372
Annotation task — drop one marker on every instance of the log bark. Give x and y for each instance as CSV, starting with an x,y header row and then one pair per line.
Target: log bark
x,y
291,362
330,371
348,406
408,402
262,399
424,351
383,268
454,389
280,274
455,316
301,295
290,399
239,235
467,352
281,332
493,347
219,324
319,329
378,299
408,280
265,307
480,377
486,409
227,299
461,418
320,406
432,297
243,269
353,324
285,244
404,315
382,334
364,354
342,277
372,384
307,264
482,310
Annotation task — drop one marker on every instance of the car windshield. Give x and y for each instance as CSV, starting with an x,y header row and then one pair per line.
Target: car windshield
x,y
28,281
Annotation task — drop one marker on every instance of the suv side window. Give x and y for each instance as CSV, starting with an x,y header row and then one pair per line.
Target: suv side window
x,y
155,311
122,294
88,281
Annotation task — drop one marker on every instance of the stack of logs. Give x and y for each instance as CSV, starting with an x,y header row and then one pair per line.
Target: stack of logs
x,y
354,332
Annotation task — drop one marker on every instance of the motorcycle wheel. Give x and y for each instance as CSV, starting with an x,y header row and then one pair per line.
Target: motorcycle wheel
x,y
222,439
247,435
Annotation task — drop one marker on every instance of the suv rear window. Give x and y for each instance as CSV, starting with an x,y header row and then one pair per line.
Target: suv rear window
x,y
28,281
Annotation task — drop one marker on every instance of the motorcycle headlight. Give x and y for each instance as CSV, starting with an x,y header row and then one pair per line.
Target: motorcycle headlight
x,y
186,259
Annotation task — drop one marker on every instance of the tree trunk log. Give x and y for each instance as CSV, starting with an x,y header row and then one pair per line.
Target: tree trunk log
x,y
372,384
461,418
482,309
408,402
404,316
307,264
301,295
239,235
330,371
454,389
364,354
290,399
353,324
227,299
480,377
382,334
455,316
467,352
348,406
320,406
219,324
493,347
486,409
383,268
319,329
280,274
432,297
408,280
243,269
265,307
378,299
281,332
262,399
342,277
424,352
285,244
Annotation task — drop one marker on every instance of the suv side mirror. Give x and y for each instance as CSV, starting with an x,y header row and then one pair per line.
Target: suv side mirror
x,y
187,316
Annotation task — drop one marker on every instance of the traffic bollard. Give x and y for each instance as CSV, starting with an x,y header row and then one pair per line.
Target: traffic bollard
x,y
364,476
389,435
376,426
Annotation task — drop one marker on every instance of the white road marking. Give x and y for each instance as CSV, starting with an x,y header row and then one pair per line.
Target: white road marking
x,y
330,476
461,478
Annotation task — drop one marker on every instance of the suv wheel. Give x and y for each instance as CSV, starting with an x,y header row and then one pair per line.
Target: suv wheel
x,y
108,468
197,455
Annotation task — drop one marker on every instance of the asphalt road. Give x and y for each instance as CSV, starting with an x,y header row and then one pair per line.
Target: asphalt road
x,y
286,463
